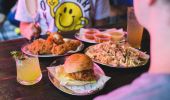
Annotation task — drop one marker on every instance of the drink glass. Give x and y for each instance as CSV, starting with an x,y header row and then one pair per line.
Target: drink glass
x,y
134,30
28,71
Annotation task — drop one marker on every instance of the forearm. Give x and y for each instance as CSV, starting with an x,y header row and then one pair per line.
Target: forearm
x,y
23,27
29,30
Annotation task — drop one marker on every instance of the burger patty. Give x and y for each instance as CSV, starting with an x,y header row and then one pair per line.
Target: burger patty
x,y
86,75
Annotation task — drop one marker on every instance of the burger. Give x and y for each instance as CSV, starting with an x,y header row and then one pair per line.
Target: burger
x,y
76,70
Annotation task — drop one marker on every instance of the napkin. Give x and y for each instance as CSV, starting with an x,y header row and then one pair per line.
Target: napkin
x,y
89,88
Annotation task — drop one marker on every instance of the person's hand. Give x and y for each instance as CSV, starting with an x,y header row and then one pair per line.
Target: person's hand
x,y
32,31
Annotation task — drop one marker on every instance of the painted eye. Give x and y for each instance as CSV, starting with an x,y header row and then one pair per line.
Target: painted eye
x,y
70,12
65,9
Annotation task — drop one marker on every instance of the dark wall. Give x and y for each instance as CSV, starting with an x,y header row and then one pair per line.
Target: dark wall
x,y
122,2
6,5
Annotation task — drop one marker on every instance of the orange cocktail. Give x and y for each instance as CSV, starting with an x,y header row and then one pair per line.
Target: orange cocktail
x,y
134,29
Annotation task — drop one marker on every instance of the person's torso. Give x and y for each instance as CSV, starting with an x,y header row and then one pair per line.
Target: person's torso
x,y
64,15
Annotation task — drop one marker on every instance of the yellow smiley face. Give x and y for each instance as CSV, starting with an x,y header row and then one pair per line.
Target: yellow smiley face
x,y
67,16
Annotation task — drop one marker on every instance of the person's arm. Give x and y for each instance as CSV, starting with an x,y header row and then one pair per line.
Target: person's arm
x,y
29,30
23,27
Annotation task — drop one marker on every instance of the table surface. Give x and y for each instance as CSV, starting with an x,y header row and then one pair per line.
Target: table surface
x,y
10,89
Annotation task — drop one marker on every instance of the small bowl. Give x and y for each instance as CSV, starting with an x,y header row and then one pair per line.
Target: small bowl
x,y
89,34
117,36
100,38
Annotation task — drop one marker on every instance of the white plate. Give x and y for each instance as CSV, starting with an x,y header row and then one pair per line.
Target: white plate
x,y
25,50
82,38
56,83
121,66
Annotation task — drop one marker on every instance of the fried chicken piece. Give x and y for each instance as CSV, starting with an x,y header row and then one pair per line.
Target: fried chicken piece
x,y
86,75
36,46
46,49
72,44
65,47
40,46
59,49
54,44
55,38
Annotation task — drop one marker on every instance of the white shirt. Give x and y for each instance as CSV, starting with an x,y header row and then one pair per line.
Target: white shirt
x,y
65,15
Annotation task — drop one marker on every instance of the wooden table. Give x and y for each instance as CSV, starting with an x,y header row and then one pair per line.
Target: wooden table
x,y
44,90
